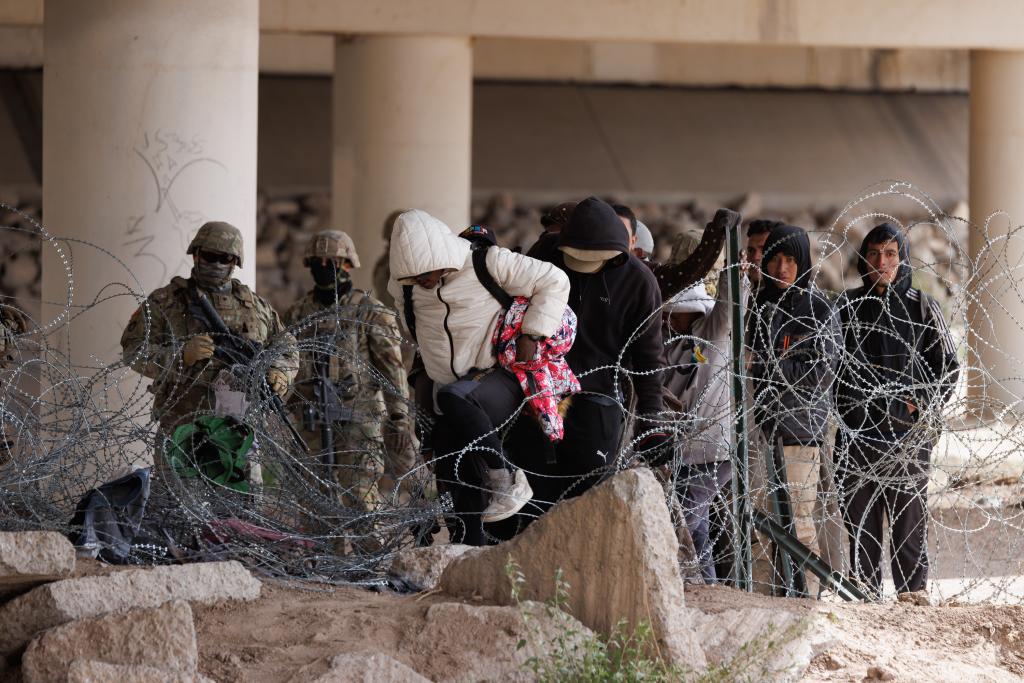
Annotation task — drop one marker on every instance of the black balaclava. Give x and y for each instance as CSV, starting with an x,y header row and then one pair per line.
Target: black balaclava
x,y
212,276
332,282
792,241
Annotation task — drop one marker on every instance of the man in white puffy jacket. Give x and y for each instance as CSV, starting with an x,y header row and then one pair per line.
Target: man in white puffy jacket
x,y
454,316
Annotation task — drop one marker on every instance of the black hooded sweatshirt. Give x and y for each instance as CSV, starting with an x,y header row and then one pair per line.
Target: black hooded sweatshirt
x,y
898,350
794,337
617,308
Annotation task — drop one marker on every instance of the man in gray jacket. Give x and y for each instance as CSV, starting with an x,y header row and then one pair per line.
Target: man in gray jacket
x,y
699,376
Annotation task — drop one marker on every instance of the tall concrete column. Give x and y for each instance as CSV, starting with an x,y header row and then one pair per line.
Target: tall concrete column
x,y
996,174
402,133
149,130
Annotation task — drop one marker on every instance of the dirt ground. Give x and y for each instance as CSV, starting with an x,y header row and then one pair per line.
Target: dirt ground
x,y
291,634
293,631
966,643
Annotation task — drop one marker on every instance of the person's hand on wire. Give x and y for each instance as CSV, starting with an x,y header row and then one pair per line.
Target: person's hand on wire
x,y
199,347
278,381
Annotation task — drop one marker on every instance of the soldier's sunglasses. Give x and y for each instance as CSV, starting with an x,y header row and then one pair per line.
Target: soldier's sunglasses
x,y
216,257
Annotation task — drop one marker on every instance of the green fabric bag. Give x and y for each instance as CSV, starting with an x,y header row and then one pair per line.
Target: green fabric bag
x,y
216,448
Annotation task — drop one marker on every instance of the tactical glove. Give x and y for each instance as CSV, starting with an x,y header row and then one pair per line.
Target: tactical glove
x,y
278,381
199,347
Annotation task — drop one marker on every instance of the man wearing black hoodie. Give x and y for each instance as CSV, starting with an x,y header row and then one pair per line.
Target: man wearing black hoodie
x,y
900,363
618,339
794,339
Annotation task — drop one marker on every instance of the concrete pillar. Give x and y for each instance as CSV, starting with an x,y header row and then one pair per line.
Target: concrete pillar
x,y
997,185
402,132
149,130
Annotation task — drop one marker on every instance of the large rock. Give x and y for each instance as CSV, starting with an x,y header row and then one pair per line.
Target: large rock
x,y
83,671
617,551
28,558
375,668
763,644
163,638
461,642
420,568
452,642
58,603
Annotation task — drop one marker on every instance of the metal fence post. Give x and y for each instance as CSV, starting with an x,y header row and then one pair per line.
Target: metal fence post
x,y
742,567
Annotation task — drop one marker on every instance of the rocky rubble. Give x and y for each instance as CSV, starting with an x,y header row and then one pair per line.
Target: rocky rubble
x,y
20,247
91,671
162,638
286,222
60,602
31,558
421,568
377,668
616,553
132,624
938,251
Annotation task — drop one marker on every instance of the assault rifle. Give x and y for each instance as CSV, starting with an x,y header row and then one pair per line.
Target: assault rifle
x,y
326,408
234,350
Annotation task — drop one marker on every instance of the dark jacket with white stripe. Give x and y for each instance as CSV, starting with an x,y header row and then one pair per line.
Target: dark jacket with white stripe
x,y
898,351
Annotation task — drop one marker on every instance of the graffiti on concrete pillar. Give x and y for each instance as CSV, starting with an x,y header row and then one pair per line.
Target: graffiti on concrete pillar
x,y
168,157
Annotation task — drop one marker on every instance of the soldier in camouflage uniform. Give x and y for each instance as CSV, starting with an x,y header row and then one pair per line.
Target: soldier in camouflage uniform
x,y
12,323
352,341
164,342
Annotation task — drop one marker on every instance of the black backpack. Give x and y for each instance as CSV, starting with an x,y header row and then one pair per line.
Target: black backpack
x,y
482,274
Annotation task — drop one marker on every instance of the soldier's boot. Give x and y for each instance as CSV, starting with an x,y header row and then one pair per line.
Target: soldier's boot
x,y
509,493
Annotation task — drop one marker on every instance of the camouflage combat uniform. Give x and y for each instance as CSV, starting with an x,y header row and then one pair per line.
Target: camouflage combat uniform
x,y
180,391
12,323
158,330
356,340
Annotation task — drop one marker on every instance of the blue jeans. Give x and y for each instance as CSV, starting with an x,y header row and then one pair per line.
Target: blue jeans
x,y
697,486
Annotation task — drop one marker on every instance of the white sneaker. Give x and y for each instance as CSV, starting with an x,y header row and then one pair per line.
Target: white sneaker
x,y
508,494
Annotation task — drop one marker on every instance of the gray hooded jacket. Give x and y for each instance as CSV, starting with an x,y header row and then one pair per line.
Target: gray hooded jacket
x,y
699,376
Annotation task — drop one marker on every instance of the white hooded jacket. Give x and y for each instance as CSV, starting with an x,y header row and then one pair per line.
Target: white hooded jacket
x,y
455,320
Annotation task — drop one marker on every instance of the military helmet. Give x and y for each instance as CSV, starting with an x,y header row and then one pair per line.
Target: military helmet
x,y
331,244
218,236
